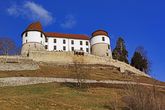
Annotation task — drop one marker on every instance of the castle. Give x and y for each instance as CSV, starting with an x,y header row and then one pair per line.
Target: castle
x,y
35,39
60,49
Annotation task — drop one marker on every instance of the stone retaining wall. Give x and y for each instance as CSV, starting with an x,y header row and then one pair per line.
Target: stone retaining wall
x,y
69,58
17,63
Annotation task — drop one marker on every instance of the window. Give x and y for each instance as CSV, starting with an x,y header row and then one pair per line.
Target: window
x,y
87,50
41,35
54,47
64,41
72,48
81,42
72,41
81,48
103,39
64,48
108,46
46,46
26,34
54,40
46,40
86,42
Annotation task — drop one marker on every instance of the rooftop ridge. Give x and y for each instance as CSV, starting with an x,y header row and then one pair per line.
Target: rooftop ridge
x,y
66,35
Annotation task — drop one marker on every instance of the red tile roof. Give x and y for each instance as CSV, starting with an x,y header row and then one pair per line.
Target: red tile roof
x,y
38,27
70,36
99,32
35,26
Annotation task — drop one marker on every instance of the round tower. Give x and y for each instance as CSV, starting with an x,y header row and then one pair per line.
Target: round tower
x,y
33,39
100,44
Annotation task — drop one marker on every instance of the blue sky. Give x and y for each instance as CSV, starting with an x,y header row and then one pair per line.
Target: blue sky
x,y
140,22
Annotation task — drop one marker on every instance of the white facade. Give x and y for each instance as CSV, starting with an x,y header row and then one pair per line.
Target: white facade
x,y
100,45
65,44
33,37
100,39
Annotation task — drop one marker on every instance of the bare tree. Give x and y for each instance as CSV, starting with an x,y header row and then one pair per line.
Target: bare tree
x,y
139,97
7,46
80,71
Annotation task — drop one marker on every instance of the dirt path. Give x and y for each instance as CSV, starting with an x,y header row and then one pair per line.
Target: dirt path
x,y
18,81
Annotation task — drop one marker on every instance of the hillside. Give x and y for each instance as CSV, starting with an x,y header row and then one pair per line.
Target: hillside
x,y
96,72
53,96
67,96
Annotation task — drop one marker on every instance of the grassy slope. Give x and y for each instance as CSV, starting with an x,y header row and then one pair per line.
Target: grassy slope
x,y
97,72
56,96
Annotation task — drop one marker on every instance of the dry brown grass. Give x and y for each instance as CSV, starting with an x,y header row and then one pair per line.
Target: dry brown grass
x,y
97,72
144,98
56,97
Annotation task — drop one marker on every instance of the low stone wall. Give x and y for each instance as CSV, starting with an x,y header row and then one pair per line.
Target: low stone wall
x,y
69,58
17,63
126,67
57,57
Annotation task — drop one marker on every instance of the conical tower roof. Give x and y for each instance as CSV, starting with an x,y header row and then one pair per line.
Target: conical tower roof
x,y
35,26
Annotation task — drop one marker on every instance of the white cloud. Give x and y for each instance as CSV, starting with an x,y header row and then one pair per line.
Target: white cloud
x,y
13,10
32,11
69,22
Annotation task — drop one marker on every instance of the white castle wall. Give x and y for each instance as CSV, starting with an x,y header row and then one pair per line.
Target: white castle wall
x,y
98,39
59,44
100,46
33,36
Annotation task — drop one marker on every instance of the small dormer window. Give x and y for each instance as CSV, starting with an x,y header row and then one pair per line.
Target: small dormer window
x,y
26,34
103,38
